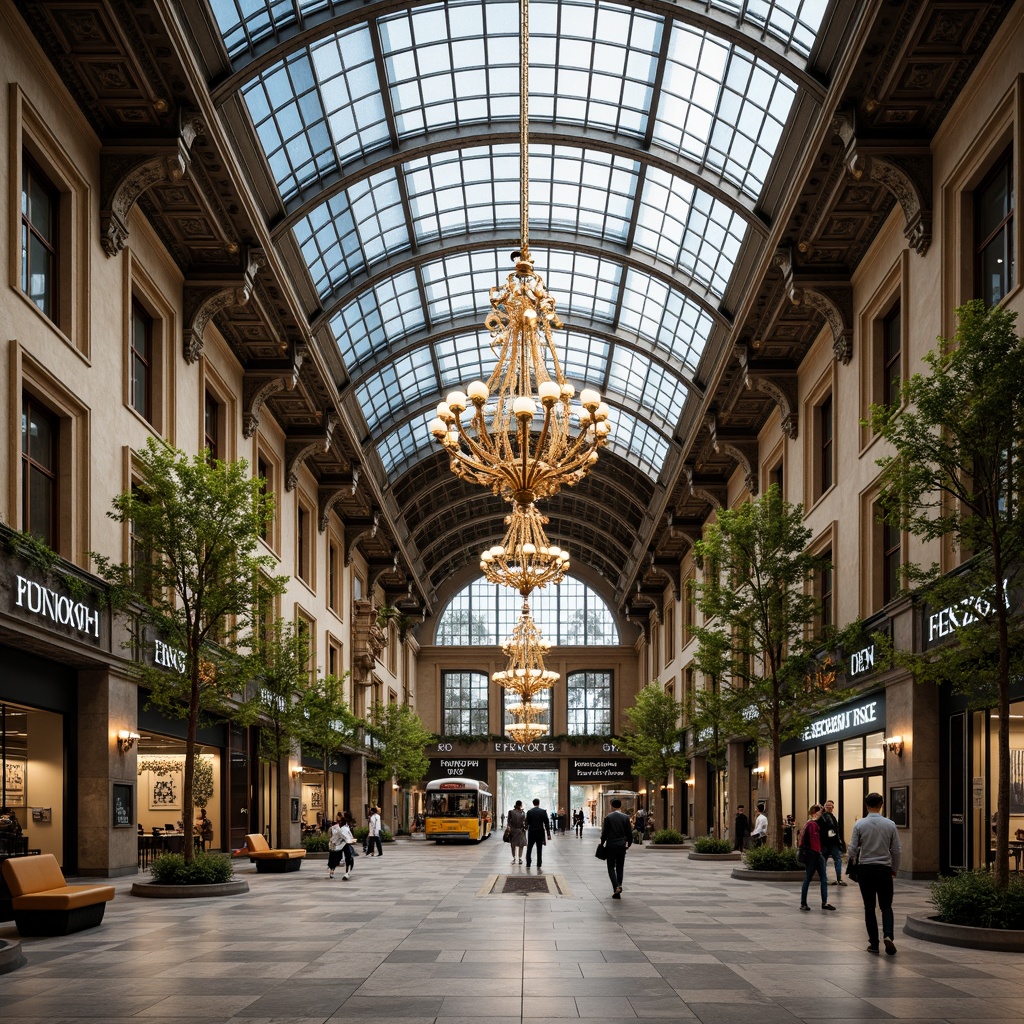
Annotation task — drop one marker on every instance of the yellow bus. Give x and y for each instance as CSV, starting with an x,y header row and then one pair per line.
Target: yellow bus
x,y
457,809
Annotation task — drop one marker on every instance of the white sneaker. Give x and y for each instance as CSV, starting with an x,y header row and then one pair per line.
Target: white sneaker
x,y
344,877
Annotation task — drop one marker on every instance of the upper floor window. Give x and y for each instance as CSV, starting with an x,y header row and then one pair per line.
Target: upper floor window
x,y
825,446
39,433
39,222
211,426
464,703
892,558
993,232
590,703
571,614
303,567
141,379
892,354
826,589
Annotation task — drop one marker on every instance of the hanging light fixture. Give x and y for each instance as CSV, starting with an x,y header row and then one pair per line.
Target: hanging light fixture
x,y
500,448
525,560
525,678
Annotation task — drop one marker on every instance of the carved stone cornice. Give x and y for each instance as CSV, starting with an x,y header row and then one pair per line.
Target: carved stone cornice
x,y
742,449
782,389
715,493
332,491
906,175
203,301
127,172
355,530
297,451
832,299
669,570
369,641
259,385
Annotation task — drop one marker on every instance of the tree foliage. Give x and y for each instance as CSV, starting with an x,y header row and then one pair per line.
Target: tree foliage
x,y
327,725
956,473
396,740
194,584
654,738
760,638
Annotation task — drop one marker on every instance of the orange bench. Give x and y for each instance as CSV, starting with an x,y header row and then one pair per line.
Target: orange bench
x,y
267,859
43,902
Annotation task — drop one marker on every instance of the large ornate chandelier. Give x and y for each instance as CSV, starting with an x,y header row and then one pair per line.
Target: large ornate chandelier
x,y
501,447
525,560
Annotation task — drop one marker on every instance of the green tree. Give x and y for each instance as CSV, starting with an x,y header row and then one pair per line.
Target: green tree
x,y
957,474
195,583
327,726
396,738
758,637
654,740
280,670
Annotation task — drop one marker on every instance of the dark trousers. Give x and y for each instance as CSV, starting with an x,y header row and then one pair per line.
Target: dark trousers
x,y
616,862
815,865
534,838
350,857
875,881
371,842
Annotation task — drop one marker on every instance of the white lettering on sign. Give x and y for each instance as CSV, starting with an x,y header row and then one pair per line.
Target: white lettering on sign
x,y
963,613
446,747
458,767
525,748
862,660
168,657
59,608
865,714
600,769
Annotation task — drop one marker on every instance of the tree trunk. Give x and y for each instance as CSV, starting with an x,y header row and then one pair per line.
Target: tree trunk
x,y
774,809
1002,853
188,848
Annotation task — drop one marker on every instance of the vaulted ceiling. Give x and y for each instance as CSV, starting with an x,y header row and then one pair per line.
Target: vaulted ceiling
x,y
338,182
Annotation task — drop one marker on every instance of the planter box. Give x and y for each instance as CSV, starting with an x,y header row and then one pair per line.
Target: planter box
x,y
11,956
933,930
750,875
675,847
717,856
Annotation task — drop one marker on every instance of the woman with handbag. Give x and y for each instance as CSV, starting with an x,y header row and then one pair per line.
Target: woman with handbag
x,y
517,830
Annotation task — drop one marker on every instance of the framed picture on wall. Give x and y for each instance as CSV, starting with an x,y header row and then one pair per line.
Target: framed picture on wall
x,y
899,805
165,792
15,787
295,808
1017,781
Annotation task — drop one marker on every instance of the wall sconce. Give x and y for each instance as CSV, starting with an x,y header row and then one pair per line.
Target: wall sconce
x,y
297,771
759,770
894,744
126,740
691,782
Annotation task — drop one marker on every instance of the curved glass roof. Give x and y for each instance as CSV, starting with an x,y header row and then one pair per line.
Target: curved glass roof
x,y
390,136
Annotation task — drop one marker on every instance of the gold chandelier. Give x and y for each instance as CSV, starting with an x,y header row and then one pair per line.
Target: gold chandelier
x,y
526,677
501,449
524,560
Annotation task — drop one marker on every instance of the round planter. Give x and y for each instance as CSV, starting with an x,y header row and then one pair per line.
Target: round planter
x,y
717,856
750,875
933,930
11,956
189,892
670,847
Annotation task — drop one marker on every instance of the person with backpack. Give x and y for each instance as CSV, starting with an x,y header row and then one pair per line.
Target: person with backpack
x,y
810,856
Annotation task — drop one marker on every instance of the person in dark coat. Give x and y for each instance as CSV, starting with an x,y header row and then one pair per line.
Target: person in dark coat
x,y
741,829
617,838
537,826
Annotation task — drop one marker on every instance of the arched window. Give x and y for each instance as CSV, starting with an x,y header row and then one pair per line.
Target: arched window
x,y
590,703
464,701
571,614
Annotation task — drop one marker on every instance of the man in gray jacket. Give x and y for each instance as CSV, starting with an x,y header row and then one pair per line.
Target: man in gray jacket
x,y
875,844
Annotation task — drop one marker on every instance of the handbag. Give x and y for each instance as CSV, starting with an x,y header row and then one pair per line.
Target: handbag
x,y
507,835
601,853
853,867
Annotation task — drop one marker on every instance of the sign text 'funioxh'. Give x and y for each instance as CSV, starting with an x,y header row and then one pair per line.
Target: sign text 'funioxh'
x,y
59,609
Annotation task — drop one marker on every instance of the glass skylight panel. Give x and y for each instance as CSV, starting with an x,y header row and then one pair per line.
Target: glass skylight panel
x,y
582,284
636,439
243,23
793,22
665,316
452,64
410,439
318,108
459,285
396,385
463,358
584,357
689,228
593,64
368,324
352,231
647,385
722,107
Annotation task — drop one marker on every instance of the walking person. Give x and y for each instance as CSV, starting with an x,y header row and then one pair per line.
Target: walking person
x,y
760,832
875,846
517,833
741,828
580,820
537,824
832,844
812,859
349,849
617,838
336,844
373,834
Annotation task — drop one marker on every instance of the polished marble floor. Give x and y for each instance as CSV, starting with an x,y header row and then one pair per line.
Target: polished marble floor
x,y
420,936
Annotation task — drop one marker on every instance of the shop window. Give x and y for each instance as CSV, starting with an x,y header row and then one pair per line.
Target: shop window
x,y
993,232
40,432
40,252
141,363
589,696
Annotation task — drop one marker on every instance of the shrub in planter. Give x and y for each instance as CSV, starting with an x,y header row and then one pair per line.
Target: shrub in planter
x,y
205,869
708,844
362,832
764,858
318,842
971,898
667,837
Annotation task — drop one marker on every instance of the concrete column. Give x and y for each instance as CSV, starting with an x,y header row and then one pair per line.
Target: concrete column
x,y
738,785
700,824
106,703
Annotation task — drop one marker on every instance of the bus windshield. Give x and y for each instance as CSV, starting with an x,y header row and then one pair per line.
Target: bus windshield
x,y
453,804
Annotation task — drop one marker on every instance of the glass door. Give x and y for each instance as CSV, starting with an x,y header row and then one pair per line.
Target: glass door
x,y
241,821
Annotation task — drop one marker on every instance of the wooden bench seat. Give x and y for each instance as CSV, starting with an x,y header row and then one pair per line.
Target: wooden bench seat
x,y
267,859
43,902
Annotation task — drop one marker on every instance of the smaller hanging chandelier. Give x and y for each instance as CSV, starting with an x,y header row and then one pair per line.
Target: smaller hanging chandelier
x,y
524,560
526,732
525,677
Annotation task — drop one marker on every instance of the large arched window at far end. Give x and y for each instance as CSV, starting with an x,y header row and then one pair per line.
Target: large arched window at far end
x,y
569,615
